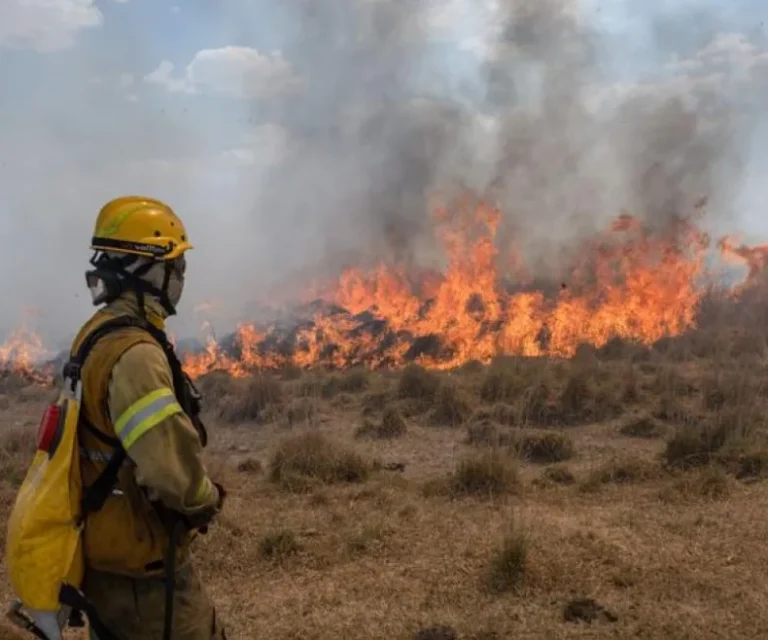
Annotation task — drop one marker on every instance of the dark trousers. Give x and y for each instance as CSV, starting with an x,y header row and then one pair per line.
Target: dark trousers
x,y
134,608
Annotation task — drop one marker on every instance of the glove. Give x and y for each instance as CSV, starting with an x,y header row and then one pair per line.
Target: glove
x,y
222,495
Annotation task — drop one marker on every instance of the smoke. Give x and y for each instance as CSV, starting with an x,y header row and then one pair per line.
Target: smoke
x,y
329,146
536,137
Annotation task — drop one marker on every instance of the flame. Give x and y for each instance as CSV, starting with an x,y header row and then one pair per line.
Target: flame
x,y
21,355
754,258
631,282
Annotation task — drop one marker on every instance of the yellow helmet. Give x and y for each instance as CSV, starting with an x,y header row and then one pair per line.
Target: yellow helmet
x,y
140,226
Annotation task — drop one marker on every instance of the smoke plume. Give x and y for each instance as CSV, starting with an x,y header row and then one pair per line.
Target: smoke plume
x,y
338,154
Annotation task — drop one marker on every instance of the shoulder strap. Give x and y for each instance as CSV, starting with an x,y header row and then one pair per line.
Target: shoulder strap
x,y
73,368
96,495
186,392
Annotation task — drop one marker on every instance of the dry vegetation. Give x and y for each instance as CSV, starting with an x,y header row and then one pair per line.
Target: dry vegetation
x,y
613,495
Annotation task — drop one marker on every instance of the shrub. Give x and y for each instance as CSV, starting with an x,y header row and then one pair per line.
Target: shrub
x,y
452,406
262,391
310,457
490,473
545,448
509,563
417,383
391,426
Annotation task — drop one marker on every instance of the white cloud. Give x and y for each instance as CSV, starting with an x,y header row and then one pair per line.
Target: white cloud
x,y
729,65
236,72
45,25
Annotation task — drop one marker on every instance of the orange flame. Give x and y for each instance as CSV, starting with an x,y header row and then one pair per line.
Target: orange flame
x,y
21,355
632,283
629,282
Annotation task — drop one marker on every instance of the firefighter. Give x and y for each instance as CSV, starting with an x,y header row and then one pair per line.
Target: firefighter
x,y
131,399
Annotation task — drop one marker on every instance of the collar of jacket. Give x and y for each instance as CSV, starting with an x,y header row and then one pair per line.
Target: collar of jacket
x,y
128,303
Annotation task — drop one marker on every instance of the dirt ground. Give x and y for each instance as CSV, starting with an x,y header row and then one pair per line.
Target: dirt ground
x,y
615,495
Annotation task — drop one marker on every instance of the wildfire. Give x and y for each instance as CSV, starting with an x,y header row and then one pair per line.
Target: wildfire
x,y
631,282
21,355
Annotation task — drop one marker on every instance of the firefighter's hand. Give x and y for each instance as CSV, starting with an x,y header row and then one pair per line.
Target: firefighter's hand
x,y
199,521
222,495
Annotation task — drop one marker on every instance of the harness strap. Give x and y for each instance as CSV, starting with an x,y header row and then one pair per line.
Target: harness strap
x,y
96,495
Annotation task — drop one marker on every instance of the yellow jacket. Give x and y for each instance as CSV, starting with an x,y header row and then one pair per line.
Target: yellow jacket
x,y
128,396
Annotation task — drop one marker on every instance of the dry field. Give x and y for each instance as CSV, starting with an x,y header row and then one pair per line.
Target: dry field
x,y
619,494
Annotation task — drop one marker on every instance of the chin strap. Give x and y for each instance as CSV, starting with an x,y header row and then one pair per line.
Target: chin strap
x,y
115,279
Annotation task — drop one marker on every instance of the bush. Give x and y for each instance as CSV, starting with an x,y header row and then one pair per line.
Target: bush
x,y
501,384
391,426
262,391
417,383
352,381
300,411
695,446
488,474
487,433
310,458
452,406
546,448
509,562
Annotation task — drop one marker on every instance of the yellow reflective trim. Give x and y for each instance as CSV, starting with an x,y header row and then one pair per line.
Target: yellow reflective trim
x,y
140,405
203,489
144,414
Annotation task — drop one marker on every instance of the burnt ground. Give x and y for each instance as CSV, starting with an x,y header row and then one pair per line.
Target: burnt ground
x,y
619,494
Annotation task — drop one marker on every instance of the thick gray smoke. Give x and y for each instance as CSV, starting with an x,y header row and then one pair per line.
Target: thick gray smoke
x,y
559,155
332,151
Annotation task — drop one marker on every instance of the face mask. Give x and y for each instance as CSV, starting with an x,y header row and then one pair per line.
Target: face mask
x,y
175,288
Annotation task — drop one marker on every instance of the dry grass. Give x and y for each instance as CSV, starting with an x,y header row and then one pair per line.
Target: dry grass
x,y
640,524
392,425
17,448
545,448
308,458
453,405
417,383
488,474
621,470
262,393
509,562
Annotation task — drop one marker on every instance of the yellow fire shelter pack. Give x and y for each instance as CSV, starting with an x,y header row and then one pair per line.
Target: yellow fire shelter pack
x,y
44,551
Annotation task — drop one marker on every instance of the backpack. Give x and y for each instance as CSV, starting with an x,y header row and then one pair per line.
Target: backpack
x,y
44,550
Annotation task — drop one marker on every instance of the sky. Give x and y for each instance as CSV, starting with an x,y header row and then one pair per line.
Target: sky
x,y
300,135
